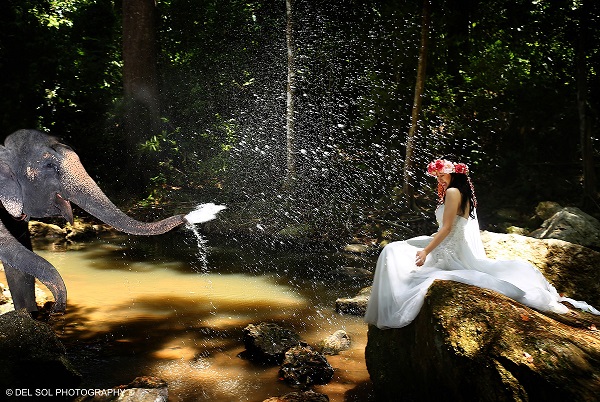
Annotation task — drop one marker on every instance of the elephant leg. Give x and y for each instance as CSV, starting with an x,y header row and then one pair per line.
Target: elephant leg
x,y
22,288
14,254
21,285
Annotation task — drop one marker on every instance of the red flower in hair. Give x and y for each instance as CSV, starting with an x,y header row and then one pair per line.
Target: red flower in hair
x,y
439,166
431,169
461,168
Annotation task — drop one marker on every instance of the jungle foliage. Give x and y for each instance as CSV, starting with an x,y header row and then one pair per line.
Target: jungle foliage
x,y
500,93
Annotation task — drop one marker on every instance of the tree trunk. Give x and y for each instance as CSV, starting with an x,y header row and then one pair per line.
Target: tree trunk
x,y
291,87
585,126
409,190
140,83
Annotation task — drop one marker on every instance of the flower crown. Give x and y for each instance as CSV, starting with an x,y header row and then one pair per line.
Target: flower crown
x,y
443,166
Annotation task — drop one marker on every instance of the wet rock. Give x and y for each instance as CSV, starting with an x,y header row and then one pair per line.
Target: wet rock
x,y
354,272
5,297
46,230
44,234
517,230
304,367
268,342
357,248
472,344
142,389
31,356
296,232
572,225
356,305
82,231
546,209
335,343
42,297
306,396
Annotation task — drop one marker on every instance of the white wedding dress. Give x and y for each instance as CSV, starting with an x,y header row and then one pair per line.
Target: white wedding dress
x,y
399,286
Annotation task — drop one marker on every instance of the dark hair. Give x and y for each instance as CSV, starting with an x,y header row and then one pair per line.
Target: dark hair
x,y
463,184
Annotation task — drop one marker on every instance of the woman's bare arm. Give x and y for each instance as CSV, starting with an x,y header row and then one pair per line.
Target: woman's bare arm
x,y
451,205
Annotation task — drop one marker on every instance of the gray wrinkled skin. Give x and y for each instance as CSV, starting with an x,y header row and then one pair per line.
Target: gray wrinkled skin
x,y
40,177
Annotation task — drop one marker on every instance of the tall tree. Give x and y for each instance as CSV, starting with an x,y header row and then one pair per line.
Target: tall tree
x,y
291,86
140,83
30,57
409,190
585,125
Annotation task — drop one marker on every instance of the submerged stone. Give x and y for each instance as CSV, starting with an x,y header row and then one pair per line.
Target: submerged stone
x,y
141,389
268,342
304,367
356,305
306,396
357,248
335,343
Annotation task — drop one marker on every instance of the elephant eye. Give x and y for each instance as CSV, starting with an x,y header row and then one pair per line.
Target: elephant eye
x,y
52,166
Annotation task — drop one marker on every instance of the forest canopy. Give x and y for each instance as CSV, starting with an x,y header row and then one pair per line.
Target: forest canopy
x,y
511,88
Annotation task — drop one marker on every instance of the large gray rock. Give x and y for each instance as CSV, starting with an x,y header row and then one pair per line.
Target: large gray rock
x,y
31,355
573,225
471,344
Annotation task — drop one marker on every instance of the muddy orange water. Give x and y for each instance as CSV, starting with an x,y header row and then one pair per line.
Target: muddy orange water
x,y
144,306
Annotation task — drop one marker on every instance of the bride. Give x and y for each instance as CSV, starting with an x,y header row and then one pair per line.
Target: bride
x,y
406,269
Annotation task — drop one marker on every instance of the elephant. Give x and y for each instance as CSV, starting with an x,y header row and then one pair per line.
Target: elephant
x,y
40,177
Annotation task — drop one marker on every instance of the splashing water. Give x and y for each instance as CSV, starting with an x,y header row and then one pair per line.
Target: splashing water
x,y
202,213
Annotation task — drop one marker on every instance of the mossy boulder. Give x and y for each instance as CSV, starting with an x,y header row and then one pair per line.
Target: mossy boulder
x,y
31,355
472,344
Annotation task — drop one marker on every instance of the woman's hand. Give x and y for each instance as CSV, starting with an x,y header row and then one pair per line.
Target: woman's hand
x,y
420,259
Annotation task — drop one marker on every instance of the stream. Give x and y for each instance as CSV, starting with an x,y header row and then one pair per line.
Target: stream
x,y
152,306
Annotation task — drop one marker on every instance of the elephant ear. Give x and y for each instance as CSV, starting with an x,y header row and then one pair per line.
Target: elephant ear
x,y
10,191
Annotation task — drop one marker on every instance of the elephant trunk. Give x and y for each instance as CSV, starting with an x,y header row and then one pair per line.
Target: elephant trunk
x,y
82,190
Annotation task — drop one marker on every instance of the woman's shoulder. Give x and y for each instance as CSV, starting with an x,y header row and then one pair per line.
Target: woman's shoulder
x,y
453,193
